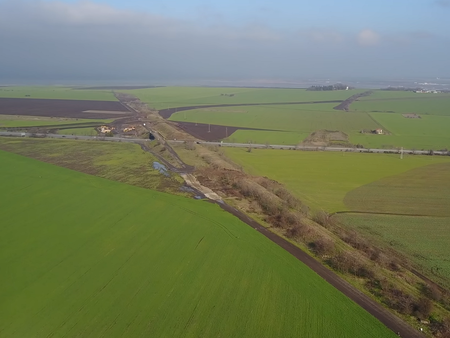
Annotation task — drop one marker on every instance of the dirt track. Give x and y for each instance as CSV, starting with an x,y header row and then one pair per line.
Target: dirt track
x,y
383,315
346,104
62,108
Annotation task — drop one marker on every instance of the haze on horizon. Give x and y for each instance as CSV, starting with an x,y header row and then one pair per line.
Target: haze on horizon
x,y
175,40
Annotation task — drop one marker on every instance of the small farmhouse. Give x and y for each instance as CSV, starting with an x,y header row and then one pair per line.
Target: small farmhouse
x,y
106,129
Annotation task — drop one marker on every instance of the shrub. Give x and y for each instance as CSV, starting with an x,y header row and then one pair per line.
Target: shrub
x,y
422,308
323,246
432,291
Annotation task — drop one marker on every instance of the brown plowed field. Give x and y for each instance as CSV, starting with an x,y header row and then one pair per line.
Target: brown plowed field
x,y
208,132
62,108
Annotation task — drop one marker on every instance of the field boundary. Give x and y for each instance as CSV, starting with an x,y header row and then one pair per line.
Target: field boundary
x,y
383,213
391,321
167,113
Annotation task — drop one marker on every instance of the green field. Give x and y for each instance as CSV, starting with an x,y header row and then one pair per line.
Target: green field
x,y
424,239
78,131
296,118
56,92
263,137
420,191
123,162
428,132
84,256
422,104
323,179
171,97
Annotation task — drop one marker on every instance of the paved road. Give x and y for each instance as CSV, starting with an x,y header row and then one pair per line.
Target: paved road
x,y
312,148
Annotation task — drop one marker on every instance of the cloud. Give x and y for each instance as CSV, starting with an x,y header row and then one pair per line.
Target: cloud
x,y
86,40
442,3
368,37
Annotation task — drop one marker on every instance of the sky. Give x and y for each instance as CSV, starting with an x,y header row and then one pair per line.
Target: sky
x,y
138,41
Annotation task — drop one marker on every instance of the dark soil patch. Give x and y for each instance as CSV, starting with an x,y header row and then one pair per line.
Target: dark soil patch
x,y
209,132
167,113
117,87
346,104
62,108
327,138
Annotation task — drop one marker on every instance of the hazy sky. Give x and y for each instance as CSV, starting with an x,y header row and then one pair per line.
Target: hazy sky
x,y
139,41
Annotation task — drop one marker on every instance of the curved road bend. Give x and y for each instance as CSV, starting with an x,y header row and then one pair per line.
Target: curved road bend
x,y
167,113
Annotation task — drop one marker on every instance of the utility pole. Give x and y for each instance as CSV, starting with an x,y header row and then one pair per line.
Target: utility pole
x,y
401,153
226,132
209,128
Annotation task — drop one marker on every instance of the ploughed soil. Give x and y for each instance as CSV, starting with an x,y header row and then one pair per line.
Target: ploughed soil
x,y
209,132
327,138
167,113
63,108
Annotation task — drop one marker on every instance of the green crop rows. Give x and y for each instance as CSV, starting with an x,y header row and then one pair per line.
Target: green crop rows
x,y
322,179
84,256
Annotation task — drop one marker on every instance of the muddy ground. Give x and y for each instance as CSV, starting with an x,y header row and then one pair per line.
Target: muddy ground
x,y
346,104
63,108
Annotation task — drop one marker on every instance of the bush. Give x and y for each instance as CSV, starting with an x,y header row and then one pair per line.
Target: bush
x,y
324,219
323,246
189,145
422,308
400,301
432,291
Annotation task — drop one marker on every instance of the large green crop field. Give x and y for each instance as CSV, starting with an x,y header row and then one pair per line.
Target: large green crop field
x,y
296,118
382,109
323,179
55,92
267,137
123,162
78,131
87,257
430,131
424,239
422,104
420,191
171,97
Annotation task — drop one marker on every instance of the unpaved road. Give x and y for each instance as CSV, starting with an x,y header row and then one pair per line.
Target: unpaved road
x,y
383,315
